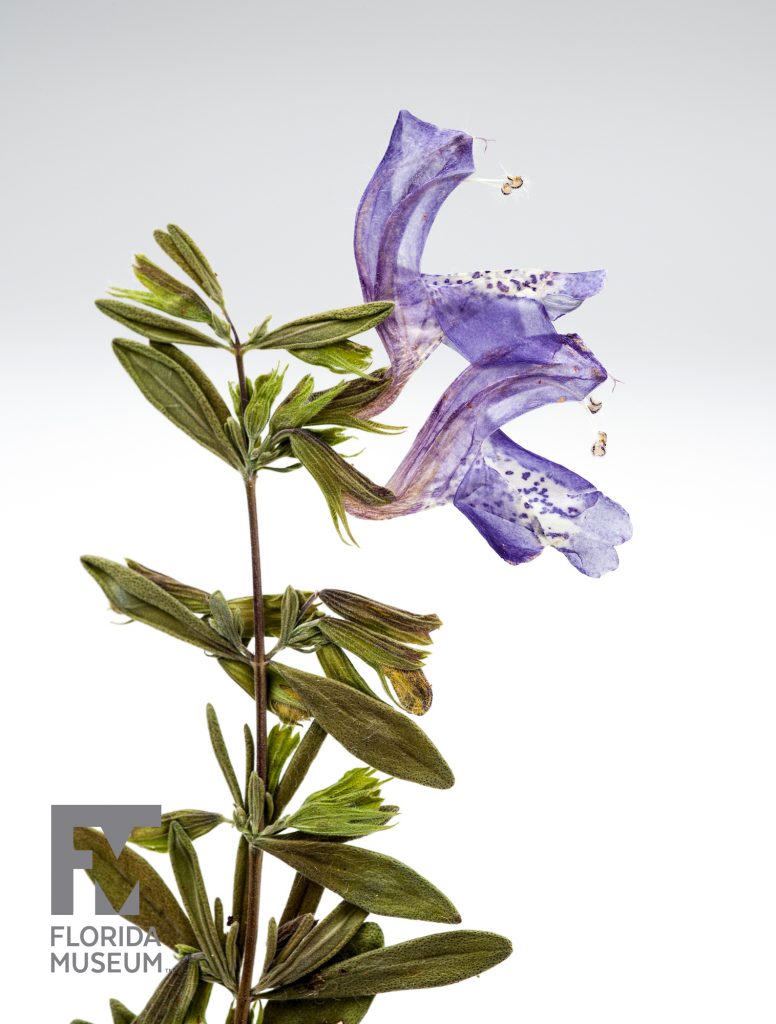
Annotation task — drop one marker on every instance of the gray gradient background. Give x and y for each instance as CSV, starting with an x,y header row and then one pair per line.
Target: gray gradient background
x,y
613,739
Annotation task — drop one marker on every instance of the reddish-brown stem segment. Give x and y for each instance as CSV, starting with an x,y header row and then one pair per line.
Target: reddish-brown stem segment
x,y
252,901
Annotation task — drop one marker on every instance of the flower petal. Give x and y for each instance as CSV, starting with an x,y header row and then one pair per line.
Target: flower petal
x,y
490,307
479,401
522,503
421,167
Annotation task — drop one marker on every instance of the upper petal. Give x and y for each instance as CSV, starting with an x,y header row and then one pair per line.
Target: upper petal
x,y
421,167
522,503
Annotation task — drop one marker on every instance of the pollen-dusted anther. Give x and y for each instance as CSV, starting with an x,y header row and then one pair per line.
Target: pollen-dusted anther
x,y
599,446
594,405
513,182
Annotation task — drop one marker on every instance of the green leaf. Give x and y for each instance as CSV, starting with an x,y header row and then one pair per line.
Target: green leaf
x,y
198,601
281,743
184,251
372,881
325,1011
196,1011
298,767
266,389
323,329
117,878
318,947
289,612
337,665
227,621
200,378
120,1014
222,756
135,596
170,1002
395,623
371,730
353,807
194,823
347,408
304,898
282,699
176,394
153,326
272,944
336,478
342,357
165,292
191,885
371,647
429,962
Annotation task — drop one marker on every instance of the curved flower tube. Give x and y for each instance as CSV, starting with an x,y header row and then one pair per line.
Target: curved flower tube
x,y
502,322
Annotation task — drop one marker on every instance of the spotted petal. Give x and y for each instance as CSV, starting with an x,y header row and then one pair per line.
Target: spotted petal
x,y
487,309
522,503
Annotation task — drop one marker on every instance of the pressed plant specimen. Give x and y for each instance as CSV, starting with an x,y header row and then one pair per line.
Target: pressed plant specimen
x,y
304,967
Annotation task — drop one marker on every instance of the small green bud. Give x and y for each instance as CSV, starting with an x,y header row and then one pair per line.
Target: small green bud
x,y
194,824
352,807
265,390
281,743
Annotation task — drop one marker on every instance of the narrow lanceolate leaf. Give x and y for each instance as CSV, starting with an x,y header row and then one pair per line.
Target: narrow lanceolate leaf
x,y
154,326
370,646
337,665
322,329
289,612
191,885
184,251
341,357
195,371
324,942
396,623
198,600
120,1014
118,877
371,730
177,395
167,293
137,597
325,1011
429,962
344,409
194,824
372,881
171,1001
303,898
272,944
198,1005
222,755
281,743
226,621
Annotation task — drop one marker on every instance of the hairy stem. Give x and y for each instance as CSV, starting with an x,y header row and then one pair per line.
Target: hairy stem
x,y
253,894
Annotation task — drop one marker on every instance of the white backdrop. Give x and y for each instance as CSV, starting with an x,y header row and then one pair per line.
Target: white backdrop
x,y
612,739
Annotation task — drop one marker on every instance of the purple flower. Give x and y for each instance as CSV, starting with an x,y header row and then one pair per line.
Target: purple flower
x,y
502,322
